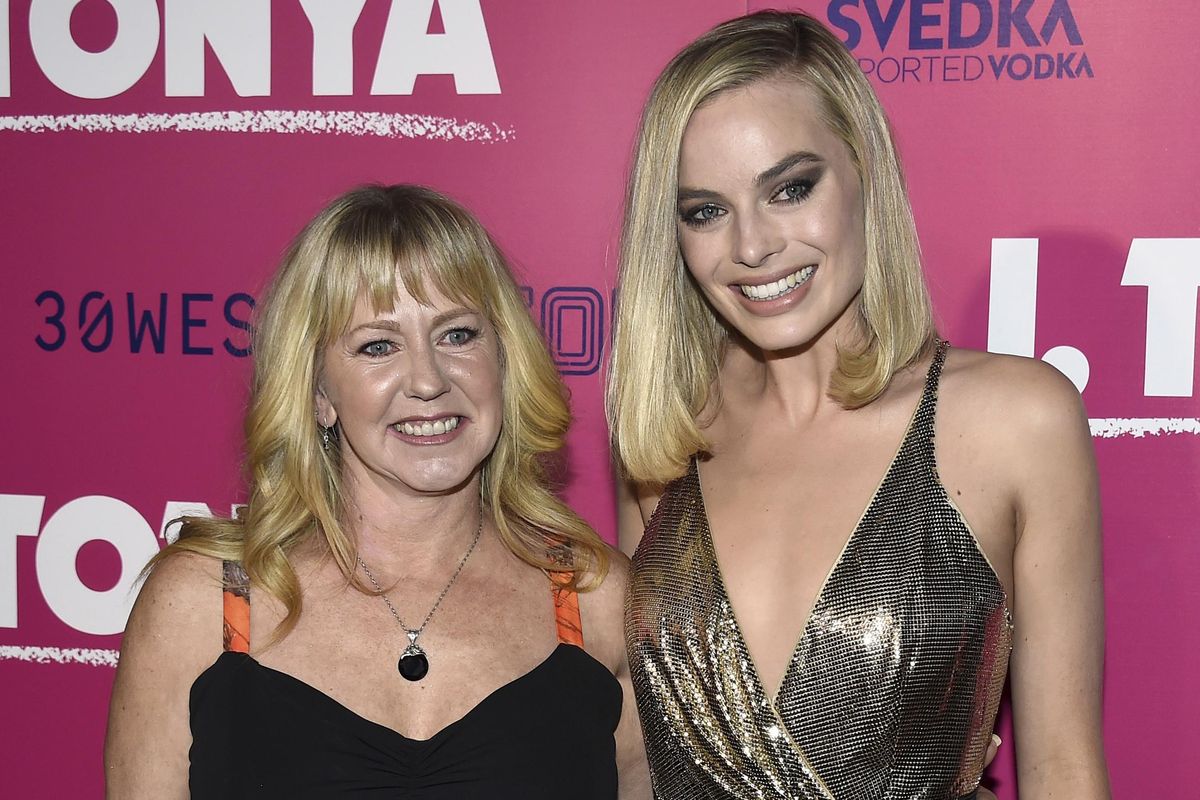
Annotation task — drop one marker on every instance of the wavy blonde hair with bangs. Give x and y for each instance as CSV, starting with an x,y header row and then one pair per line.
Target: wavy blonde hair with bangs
x,y
361,244
667,340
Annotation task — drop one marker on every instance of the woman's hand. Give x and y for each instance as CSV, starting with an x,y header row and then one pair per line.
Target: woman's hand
x,y
985,793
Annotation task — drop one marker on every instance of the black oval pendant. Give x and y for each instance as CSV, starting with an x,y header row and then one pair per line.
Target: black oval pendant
x,y
413,666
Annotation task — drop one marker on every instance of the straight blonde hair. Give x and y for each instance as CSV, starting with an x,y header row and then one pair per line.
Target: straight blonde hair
x,y
667,340
359,245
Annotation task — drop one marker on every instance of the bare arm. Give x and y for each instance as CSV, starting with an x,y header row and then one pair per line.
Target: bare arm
x,y
1058,648
173,634
632,770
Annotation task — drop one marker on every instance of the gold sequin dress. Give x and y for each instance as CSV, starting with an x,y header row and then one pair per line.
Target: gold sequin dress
x,y
892,689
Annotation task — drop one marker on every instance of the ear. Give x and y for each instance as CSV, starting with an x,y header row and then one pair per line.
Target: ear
x,y
326,413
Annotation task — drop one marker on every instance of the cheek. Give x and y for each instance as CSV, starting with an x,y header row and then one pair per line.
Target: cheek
x,y
360,394
854,225
333,386
371,386
840,230
482,381
854,236
701,256
492,389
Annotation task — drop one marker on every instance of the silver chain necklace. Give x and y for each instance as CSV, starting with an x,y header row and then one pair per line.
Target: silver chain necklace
x,y
414,662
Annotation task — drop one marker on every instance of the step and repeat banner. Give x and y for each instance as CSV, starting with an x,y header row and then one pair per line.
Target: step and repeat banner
x,y
157,157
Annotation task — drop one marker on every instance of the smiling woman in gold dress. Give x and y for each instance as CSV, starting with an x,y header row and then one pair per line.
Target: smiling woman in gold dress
x,y
843,526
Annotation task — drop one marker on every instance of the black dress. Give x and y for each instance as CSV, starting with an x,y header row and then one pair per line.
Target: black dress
x,y
258,732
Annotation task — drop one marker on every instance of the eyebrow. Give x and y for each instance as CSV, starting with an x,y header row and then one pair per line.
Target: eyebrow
x,y
786,163
391,325
769,174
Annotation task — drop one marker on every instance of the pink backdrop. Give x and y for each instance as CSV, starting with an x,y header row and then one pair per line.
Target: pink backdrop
x,y
151,176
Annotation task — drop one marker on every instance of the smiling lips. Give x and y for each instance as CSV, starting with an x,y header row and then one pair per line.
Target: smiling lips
x,y
779,288
428,427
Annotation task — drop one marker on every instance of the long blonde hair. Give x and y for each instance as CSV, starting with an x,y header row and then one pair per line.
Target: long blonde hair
x,y
667,340
359,244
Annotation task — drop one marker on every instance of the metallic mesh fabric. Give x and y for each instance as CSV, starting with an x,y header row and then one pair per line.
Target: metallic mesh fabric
x,y
891,691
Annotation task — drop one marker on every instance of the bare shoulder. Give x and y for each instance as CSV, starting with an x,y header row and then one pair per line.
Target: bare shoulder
x,y
181,601
611,592
174,631
1008,396
1020,420
635,505
603,613
648,495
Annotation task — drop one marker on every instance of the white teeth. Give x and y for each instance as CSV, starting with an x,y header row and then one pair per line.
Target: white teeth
x,y
427,428
769,291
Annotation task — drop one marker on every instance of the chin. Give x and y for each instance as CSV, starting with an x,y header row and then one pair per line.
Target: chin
x,y
436,478
441,483
779,339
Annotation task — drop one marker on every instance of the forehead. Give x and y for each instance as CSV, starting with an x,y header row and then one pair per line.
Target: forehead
x,y
400,302
740,132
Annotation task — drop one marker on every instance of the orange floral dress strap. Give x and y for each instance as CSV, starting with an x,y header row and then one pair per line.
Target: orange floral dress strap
x,y
566,609
236,595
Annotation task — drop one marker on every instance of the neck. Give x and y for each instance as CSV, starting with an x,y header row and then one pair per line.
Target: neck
x,y
406,534
792,384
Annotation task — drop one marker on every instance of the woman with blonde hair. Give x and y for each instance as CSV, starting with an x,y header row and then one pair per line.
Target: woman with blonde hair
x,y
404,608
776,386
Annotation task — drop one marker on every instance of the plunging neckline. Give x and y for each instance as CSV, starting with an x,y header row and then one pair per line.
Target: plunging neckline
x,y
719,576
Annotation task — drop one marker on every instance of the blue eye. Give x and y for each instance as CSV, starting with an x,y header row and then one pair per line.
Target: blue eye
x,y
376,349
702,215
460,336
795,191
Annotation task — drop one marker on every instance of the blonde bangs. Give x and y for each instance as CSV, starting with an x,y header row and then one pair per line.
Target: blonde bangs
x,y
371,255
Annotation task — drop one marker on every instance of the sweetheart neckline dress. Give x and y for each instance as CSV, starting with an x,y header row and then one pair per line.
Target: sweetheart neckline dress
x,y
258,732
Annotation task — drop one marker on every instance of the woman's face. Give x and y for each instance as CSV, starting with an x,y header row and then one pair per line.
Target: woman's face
x,y
416,392
771,214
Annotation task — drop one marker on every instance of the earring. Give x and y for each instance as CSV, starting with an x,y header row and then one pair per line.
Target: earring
x,y
326,431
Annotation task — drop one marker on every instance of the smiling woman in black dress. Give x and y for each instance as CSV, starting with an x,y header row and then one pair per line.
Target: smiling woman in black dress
x,y
404,609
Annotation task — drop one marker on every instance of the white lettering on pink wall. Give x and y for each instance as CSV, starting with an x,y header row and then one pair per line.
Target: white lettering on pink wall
x,y
82,520
238,33
1168,268
1170,271
332,24
462,51
1012,309
83,73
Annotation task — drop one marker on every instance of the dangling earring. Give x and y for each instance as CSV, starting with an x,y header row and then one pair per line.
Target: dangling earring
x,y
326,431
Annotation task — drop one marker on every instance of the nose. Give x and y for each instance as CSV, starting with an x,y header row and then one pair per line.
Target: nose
x,y
757,238
424,379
